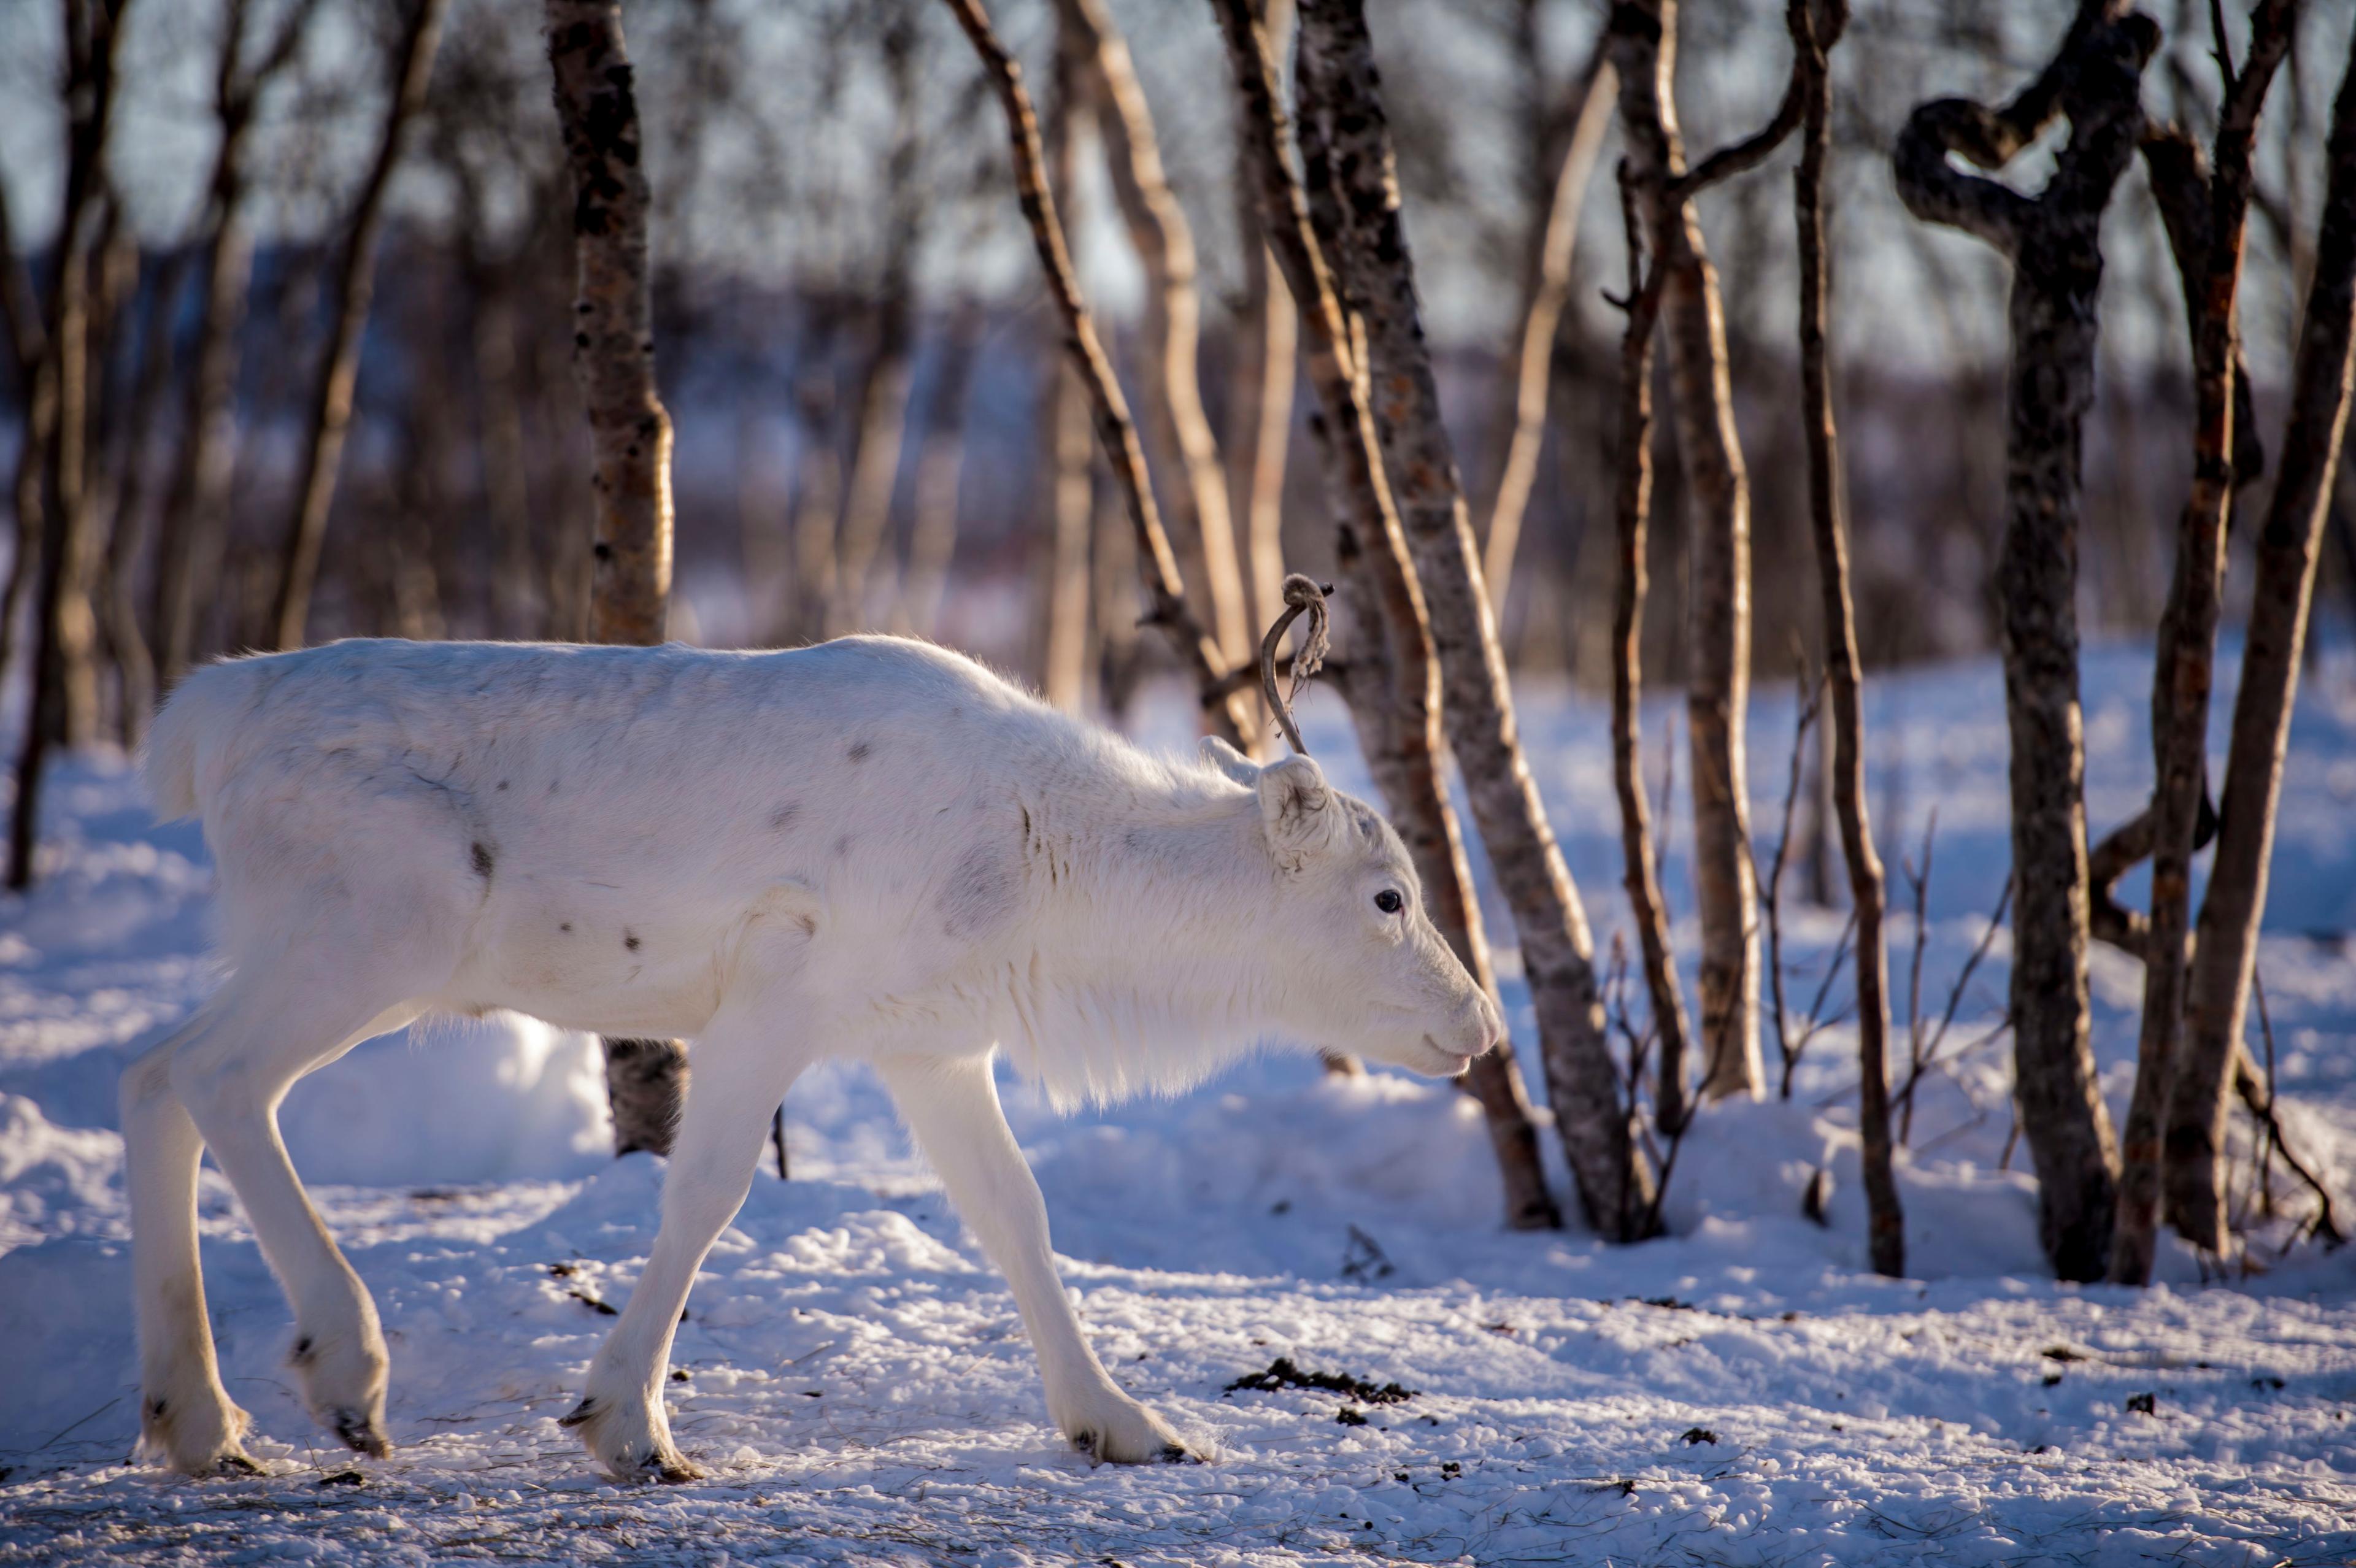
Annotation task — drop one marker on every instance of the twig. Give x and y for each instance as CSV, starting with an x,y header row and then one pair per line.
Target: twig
x,y
1955,996
1919,883
1807,702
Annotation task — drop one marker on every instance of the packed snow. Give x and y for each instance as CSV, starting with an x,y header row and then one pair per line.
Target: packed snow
x,y
855,1379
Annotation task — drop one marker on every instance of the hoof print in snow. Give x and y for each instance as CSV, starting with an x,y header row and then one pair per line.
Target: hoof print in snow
x,y
1350,1415
2143,1404
1694,1434
679,1374
2050,1378
2063,1353
2273,1382
341,1479
1451,1469
592,1304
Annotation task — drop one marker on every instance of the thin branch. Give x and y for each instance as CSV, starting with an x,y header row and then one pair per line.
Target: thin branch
x,y
1116,431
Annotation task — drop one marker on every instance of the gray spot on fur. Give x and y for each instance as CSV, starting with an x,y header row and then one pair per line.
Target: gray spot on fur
x,y
842,847
565,926
858,750
484,860
630,940
783,817
980,892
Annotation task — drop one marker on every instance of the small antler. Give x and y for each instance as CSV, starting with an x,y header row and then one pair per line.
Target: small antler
x,y
1301,593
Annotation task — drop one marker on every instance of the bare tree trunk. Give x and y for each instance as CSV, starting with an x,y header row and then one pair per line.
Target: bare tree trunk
x,y
507,480
1067,441
1633,507
1345,148
1549,292
2287,543
1384,665
1072,510
127,540
881,418
1176,425
2053,243
191,533
1267,371
2184,672
940,468
880,422
816,499
1225,706
1643,51
331,405
629,431
1817,26
37,394
94,43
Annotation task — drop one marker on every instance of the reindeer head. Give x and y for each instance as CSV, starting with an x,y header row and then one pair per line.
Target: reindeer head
x,y
1358,966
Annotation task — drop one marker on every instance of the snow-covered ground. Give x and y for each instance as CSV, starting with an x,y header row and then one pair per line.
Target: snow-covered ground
x,y
857,1382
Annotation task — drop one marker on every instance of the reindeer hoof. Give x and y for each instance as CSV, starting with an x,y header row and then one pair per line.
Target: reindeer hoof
x,y
359,1432
233,1465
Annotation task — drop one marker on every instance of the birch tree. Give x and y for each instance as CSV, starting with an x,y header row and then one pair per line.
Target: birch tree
x,y
629,430
2288,542
57,432
1644,37
1345,143
2052,242
1178,433
190,532
1817,26
330,414
1383,661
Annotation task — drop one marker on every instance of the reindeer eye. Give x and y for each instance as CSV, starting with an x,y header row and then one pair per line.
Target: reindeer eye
x,y
1388,900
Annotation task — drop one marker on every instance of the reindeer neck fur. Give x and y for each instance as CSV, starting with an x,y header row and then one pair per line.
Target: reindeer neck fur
x,y
1141,969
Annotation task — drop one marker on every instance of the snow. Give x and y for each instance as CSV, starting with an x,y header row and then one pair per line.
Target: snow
x,y
858,1383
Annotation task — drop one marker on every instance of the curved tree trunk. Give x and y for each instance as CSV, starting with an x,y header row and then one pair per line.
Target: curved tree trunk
x,y
2053,243
331,403
1643,51
2224,950
629,430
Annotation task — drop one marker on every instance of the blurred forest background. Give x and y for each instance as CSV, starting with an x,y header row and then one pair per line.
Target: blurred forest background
x,y
861,365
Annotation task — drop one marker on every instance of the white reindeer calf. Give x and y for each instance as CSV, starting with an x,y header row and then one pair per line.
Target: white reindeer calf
x,y
871,849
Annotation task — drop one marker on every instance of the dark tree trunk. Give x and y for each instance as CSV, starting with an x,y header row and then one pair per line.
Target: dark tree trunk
x,y
1632,506
1643,51
93,43
2288,541
1816,27
2053,243
2183,672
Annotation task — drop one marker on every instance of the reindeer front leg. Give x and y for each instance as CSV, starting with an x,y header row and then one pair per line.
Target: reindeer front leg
x,y
951,1107
739,1068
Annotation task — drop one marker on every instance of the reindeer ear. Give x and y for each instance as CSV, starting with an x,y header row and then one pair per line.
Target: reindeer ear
x,y
1229,760
1296,809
